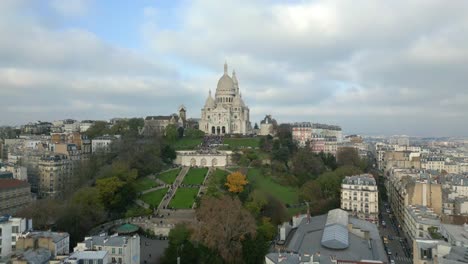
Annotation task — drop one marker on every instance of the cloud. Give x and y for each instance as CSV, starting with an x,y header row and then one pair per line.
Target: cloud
x,y
70,7
370,65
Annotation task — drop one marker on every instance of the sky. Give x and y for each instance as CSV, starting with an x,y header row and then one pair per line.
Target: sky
x,y
373,67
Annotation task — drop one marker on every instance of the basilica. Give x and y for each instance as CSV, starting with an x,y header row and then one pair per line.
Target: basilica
x,y
226,113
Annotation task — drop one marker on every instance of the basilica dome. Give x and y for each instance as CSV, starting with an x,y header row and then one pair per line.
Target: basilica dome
x,y
225,84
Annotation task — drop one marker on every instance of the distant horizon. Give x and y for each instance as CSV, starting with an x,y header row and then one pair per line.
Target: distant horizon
x,y
345,133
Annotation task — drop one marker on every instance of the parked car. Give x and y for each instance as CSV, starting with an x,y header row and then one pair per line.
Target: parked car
x,y
389,252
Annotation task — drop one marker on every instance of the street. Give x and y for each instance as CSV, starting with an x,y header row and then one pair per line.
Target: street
x,y
397,244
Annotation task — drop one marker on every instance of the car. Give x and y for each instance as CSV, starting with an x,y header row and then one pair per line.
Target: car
x,y
383,223
389,252
392,261
388,211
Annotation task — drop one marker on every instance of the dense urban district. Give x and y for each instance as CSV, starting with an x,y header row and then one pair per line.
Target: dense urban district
x,y
215,189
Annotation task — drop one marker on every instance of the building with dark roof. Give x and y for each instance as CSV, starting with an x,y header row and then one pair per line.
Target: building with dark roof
x,y
14,195
120,249
330,238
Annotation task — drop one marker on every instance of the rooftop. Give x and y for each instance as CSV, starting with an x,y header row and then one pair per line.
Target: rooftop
x,y
458,232
55,236
363,179
423,215
307,239
105,240
88,255
12,183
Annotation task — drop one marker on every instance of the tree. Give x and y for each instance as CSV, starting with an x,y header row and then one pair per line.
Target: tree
x,y
329,160
116,187
135,124
348,156
171,133
275,210
236,182
257,200
256,126
180,132
281,154
306,165
194,133
98,128
222,226
168,154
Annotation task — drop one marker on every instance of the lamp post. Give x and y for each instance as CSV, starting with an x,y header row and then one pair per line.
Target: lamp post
x,y
181,247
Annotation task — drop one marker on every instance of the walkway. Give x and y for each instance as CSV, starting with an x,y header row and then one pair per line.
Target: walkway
x,y
173,188
154,189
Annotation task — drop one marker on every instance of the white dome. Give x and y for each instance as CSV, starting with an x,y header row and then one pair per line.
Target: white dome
x,y
225,85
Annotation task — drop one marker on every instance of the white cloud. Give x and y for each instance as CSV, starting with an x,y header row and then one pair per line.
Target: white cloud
x,y
70,7
369,65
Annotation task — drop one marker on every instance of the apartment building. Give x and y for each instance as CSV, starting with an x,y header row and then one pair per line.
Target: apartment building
x,y
14,195
360,196
58,243
411,189
429,251
120,249
55,174
418,220
10,229
102,144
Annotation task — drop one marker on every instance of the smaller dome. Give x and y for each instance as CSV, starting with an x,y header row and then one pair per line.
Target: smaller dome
x,y
238,101
210,101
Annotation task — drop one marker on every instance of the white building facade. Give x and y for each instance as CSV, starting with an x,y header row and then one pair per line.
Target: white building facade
x,y
227,112
360,196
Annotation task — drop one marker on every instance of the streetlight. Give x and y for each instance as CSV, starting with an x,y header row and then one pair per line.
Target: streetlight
x,y
181,247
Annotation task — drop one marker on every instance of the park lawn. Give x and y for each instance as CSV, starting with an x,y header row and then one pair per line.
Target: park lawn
x,y
195,176
286,194
169,176
154,198
145,183
184,198
243,142
220,174
186,143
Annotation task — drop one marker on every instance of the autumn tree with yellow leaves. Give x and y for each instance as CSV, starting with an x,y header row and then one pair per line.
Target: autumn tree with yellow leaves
x,y
236,182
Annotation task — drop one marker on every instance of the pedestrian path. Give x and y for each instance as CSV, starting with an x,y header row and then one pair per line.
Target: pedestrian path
x,y
153,189
173,188
402,260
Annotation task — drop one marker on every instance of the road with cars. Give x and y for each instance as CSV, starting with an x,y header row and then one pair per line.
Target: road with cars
x,y
396,244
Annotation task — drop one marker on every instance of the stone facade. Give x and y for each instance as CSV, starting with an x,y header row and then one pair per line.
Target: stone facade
x,y
227,112
209,159
359,195
14,195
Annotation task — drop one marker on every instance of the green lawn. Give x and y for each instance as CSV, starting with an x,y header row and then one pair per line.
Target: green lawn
x,y
145,183
286,194
186,143
184,198
220,174
195,176
154,198
169,176
242,142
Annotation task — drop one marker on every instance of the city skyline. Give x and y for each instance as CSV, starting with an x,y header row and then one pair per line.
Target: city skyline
x,y
396,68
